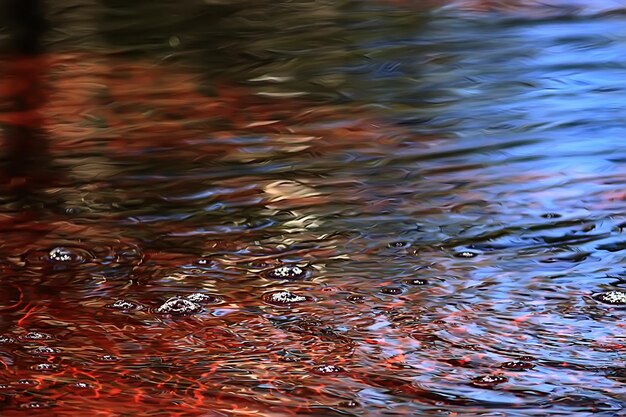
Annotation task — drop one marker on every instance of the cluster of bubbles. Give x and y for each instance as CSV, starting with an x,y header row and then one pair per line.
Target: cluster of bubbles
x,y
187,305
199,297
60,257
183,305
288,272
178,306
61,254
615,298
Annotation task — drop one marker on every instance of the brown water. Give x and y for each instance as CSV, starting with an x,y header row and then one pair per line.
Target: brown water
x,y
389,209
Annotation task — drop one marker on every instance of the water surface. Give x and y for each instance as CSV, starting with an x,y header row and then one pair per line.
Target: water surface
x,y
389,209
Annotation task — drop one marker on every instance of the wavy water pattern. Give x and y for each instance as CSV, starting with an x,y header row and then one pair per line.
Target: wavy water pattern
x,y
356,208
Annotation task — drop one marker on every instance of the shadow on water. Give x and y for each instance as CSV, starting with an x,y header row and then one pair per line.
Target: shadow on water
x,y
320,208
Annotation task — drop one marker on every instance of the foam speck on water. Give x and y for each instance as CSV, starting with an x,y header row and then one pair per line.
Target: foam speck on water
x,y
36,405
286,272
122,305
486,381
81,385
284,298
203,262
44,351
466,254
416,281
287,297
198,297
327,369
36,336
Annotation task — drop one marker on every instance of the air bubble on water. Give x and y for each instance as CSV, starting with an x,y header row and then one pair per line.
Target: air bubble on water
x,y
81,385
36,405
45,367
399,244
290,356
615,298
108,358
72,210
261,264
286,272
203,262
178,306
391,290
284,298
27,382
517,365
487,381
356,298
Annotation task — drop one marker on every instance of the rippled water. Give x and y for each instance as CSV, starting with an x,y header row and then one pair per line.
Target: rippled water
x,y
318,208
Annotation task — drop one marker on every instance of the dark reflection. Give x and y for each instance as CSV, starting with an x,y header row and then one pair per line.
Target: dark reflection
x,y
27,158
26,22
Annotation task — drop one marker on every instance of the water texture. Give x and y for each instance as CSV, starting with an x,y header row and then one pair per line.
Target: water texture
x,y
355,208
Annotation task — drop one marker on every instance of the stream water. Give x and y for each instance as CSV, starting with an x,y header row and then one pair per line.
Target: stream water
x,y
358,208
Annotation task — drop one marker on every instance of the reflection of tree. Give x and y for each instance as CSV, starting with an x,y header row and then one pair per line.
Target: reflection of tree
x,y
22,88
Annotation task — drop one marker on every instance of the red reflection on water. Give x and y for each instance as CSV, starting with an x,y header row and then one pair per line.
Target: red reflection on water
x,y
65,351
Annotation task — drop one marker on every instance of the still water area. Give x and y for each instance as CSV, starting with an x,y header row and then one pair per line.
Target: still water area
x,y
328,208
